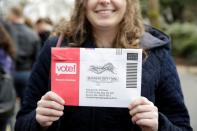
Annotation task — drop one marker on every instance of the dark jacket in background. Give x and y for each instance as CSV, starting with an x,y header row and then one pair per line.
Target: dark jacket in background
x,y
27,45
160,84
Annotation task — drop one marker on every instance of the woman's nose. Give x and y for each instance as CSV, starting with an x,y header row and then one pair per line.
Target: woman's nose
x,y
104,1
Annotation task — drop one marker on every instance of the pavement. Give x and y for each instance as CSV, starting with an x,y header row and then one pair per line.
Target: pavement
x,y
188,77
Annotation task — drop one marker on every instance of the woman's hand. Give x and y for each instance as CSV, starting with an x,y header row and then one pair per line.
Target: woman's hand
x,y
144,114
49,109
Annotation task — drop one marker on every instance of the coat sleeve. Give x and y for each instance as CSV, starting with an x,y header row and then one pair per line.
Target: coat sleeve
x,y
173,114
38,85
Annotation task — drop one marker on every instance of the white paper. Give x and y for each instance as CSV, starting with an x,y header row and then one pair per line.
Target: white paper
x,y
109,77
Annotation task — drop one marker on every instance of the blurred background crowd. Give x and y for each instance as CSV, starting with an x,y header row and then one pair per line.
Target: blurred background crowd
x,y
26,24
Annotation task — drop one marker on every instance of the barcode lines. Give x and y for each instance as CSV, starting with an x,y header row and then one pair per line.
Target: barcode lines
x,y
131,75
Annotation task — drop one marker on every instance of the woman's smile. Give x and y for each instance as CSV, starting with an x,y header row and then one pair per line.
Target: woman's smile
x,y
105,12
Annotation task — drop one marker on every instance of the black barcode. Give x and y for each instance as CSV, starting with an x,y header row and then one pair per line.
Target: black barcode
x,y
132,56
131,75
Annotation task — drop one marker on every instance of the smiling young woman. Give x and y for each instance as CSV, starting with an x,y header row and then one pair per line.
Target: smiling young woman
x,y
114,24
127,19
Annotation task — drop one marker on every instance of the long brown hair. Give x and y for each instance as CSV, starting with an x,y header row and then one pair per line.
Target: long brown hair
x,y
78,27
6,43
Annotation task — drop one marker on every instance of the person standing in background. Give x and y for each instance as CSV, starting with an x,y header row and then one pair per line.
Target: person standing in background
x,y
44,27
7,91
27,48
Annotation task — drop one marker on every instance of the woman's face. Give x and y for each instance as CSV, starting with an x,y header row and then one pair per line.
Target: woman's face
x,y
104,14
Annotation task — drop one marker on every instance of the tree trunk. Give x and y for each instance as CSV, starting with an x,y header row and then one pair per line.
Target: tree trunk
x,y
154,12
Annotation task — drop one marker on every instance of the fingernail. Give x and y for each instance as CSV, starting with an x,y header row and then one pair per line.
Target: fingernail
x,y
129,107
63,102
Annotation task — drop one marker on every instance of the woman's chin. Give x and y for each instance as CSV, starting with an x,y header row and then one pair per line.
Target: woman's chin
x,y
105,25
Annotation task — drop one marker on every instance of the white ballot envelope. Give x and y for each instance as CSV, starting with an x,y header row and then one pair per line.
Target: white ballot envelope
x,y
97,77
